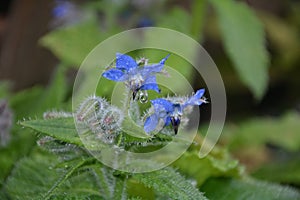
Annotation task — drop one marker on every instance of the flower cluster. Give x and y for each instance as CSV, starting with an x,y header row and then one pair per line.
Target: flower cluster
x,y
139,76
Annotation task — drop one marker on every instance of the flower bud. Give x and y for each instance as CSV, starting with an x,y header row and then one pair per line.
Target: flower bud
x,y
100,118
89,109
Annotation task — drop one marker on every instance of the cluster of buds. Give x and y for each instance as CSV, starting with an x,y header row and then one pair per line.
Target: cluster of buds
x,y
101,118
5,122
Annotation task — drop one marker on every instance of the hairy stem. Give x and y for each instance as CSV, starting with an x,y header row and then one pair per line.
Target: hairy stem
x,y
128,96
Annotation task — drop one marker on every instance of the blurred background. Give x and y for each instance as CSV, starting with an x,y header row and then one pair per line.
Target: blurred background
x,y
255,44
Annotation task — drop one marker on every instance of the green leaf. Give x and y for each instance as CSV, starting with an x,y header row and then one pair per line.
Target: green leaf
x,y
137,190
29,103
62,129
169,184
73,44
282,171
24,102
37,178
29,175
42,176
217,163
249,189
19,146
283,38
199,8
65,151
67,174
34,101
177,19
131,128
244,42
111,186
255,133
4,89
55,93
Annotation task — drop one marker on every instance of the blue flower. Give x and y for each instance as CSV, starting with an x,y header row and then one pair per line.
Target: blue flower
x,y
170,111
135,77
62,8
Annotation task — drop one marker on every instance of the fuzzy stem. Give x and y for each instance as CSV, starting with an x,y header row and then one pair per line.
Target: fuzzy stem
x,y
119,140
128,96
126,106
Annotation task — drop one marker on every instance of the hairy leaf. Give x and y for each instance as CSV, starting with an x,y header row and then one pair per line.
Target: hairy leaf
x,y
19,146
169,184
28,103
244,41
38,178
62,129
249,189
43,177
64,151
111,186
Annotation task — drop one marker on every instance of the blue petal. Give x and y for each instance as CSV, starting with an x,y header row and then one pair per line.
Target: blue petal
x,y
150,79
158,103
115,75
196,99
164,59
150,123
167,120
151,86
151,69
155,68
199,93
125,62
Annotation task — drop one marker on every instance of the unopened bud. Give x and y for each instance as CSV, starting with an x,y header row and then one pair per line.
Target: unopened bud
x,y
89,109
100,118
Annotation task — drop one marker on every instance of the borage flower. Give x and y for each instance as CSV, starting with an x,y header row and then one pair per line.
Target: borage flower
x,y
171,110
136,77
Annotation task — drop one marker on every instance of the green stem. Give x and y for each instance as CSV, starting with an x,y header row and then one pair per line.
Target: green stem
x,y
127,100
119,140
119,190
129,126
126,107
